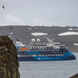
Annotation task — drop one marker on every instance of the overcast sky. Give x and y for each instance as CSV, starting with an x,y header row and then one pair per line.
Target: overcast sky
x,y
39,12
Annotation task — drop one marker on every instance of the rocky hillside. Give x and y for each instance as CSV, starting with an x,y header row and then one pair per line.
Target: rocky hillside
x,y
8,59
65,35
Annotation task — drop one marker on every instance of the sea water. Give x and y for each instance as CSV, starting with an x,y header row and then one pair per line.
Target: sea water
x,y
48,69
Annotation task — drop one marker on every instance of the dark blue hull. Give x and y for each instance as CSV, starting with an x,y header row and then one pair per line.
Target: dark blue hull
x,y
67,56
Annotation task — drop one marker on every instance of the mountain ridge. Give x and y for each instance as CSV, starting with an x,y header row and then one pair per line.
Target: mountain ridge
x,y
23,34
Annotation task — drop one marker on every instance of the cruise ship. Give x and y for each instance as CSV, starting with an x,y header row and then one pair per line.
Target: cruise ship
x,y
43,51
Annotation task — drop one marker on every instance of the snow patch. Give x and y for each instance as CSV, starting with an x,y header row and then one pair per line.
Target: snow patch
x,y
38,34
70,29
29,28
68,33
11,33
75,44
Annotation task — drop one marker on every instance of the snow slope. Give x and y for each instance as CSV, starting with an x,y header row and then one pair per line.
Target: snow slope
x,y
68,33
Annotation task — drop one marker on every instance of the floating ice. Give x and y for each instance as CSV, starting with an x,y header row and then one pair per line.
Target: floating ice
x,y
38,34
68,33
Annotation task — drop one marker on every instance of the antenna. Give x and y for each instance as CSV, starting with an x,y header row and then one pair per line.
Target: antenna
x,y
51,41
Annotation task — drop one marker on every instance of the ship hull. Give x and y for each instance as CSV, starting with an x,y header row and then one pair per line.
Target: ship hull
x,y
67,56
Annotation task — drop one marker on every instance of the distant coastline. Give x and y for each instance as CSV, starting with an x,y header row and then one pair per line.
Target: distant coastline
x,y
23,34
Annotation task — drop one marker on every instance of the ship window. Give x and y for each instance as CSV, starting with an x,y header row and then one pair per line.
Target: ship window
x,y
53,54
62,52
32,47
21,53
33,55
49,55
49,52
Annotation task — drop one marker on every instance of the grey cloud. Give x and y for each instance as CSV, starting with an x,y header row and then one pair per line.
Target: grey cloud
x,y
54,12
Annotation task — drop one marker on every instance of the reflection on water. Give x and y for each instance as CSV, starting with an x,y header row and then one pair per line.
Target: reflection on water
x,y
48,69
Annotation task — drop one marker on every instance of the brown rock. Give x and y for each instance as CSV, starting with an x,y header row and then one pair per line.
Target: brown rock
x,y
75,76
8,58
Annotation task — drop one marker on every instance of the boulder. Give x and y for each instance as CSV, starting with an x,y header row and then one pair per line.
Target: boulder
x,y
8,58
75,76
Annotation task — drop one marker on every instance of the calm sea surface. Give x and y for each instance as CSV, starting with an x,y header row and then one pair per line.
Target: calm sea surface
x,y
48,69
